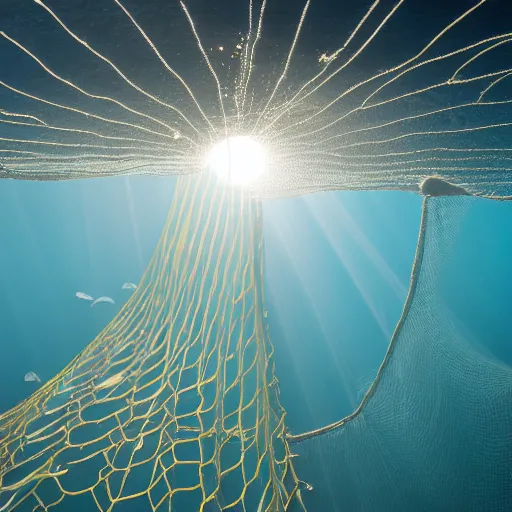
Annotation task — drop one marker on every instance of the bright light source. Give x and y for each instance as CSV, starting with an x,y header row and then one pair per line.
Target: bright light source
x,y
237,160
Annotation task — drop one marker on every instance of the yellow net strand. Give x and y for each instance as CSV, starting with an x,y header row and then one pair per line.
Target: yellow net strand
x,y
173,406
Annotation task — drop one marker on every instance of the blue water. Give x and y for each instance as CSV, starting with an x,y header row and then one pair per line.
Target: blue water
x,y
337,270
89,236
337,267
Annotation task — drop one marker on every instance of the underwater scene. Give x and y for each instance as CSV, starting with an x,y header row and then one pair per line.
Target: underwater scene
x,y
255,255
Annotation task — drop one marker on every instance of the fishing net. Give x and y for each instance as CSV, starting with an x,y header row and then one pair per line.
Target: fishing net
x,y
173,406
433,431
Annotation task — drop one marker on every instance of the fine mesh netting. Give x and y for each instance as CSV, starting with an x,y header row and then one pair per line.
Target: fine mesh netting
x,y
375,95
173,405
434,430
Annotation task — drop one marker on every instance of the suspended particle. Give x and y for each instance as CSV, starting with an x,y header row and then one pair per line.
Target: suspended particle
x,y
324,58
304,486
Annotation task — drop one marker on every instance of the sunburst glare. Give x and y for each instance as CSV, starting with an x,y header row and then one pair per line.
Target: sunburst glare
x,y
238,160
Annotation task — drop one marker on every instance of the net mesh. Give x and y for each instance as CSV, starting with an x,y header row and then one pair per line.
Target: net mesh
x,y
433,432
354,117
173,405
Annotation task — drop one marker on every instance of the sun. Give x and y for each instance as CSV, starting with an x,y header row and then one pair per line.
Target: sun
x,y
239,160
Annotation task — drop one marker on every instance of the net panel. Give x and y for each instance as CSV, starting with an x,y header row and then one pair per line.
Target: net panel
x,y
433,432
351,118
173,406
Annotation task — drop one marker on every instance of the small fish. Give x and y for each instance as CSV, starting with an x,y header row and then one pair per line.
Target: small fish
x,y
111,381
103,299
84,296
129,286
32,377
